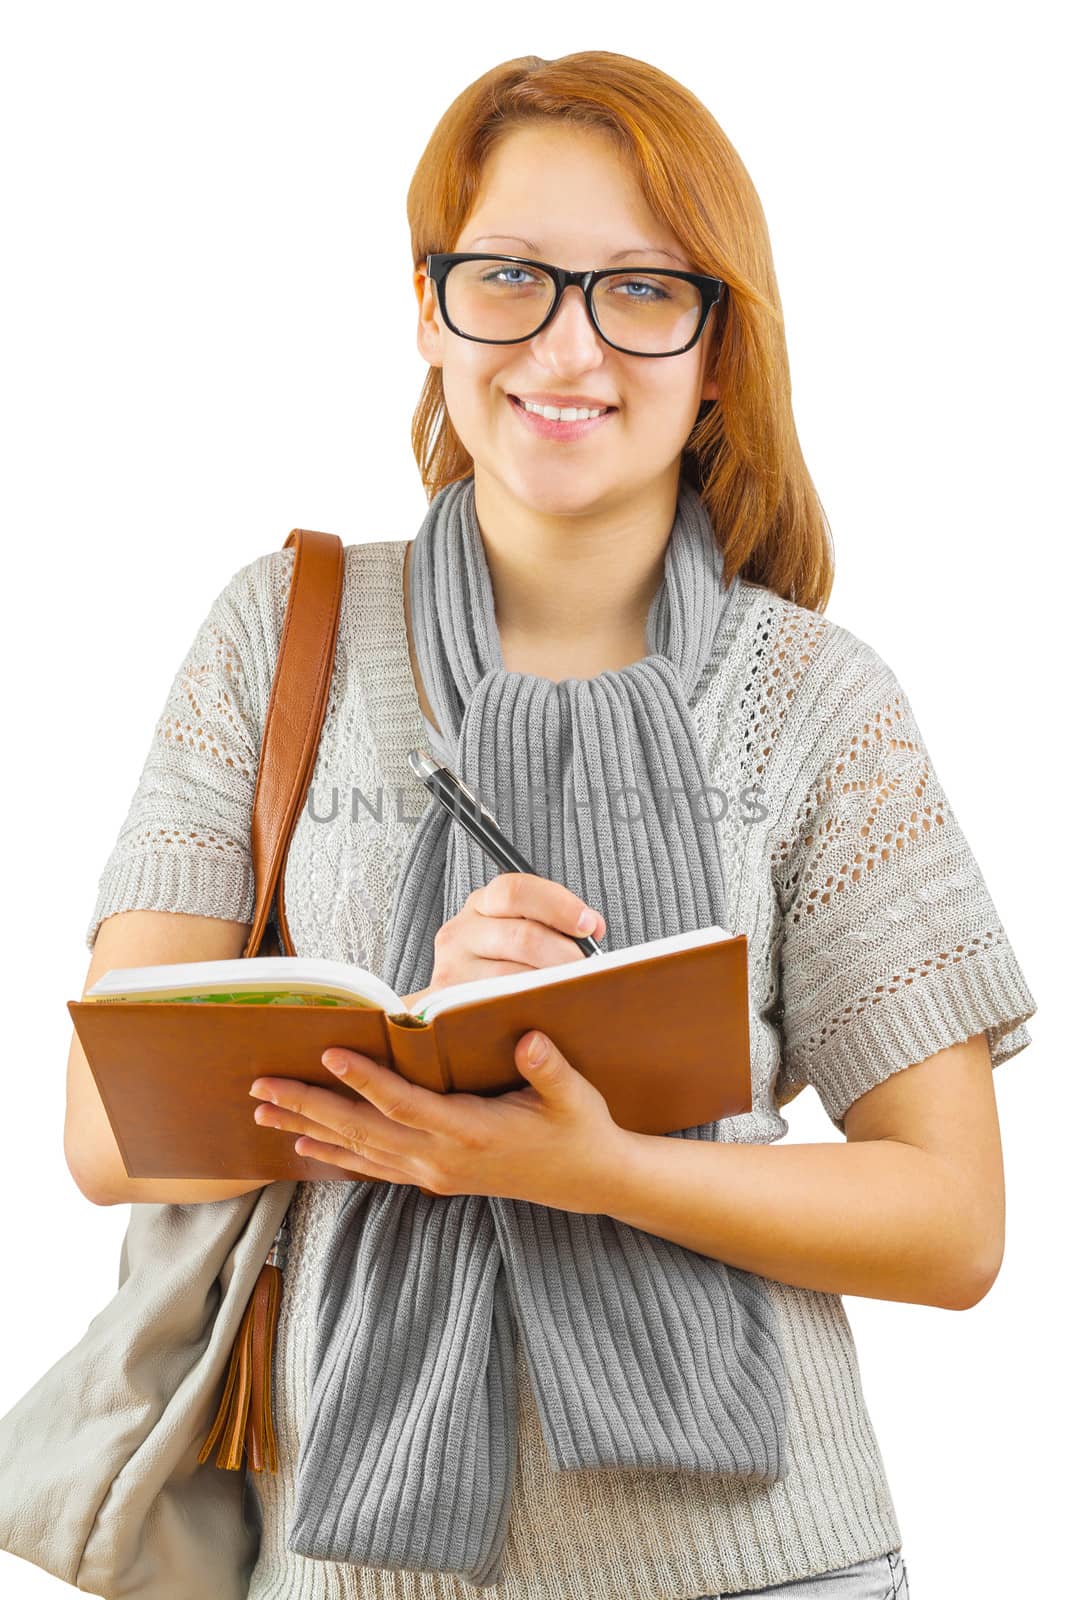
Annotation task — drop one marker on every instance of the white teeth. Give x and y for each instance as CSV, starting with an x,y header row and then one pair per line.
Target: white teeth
x,y
567,414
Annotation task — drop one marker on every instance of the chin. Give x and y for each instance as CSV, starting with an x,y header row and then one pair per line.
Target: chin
x,y
565,493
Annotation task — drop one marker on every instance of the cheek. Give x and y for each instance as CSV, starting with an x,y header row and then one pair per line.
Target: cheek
x,y
474,398
663,416
685,402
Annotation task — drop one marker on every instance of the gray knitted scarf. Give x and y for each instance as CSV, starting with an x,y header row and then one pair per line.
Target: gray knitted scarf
x,y
641,1353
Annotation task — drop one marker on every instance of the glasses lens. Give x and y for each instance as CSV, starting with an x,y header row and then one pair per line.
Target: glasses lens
x,y
643,312
647,312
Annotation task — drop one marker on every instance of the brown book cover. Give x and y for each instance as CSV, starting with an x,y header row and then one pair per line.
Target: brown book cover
x,y
665,1039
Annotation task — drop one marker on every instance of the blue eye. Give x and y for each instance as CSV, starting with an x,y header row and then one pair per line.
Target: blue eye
x,y
495,277
658,292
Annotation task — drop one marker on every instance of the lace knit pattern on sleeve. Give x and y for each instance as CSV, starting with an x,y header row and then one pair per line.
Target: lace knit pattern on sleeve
x,y
185,844
891,946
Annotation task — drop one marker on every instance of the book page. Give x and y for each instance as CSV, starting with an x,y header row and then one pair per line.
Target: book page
x,y
460,994
269,976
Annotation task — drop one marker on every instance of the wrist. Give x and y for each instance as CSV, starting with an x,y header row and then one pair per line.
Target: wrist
x,y
606,1192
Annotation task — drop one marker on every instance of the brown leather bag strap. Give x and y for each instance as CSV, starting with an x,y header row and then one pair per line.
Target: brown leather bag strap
x,y
296,711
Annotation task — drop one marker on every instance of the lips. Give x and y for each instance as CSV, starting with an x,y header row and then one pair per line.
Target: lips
x,y
562,434
578,405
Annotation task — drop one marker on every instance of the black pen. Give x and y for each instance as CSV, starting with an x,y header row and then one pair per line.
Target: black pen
x,y
482,826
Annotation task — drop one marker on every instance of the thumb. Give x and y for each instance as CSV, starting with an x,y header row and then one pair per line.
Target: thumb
x,y
554,1077
537,1056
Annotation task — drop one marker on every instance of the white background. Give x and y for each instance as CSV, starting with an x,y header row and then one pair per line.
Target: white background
x,y
197,357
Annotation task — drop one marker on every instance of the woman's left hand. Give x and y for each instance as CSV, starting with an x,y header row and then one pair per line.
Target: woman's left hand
x,y
554,1142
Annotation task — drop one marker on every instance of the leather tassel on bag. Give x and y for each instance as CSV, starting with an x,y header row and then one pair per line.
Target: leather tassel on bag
x,y
245,1416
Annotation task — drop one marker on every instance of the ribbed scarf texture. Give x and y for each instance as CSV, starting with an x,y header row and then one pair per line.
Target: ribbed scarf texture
x,y
641,1353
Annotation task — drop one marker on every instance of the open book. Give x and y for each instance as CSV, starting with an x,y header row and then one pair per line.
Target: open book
x,y
660,1028
303,980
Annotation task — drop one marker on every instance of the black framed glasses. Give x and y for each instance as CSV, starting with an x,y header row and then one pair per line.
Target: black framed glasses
x,y
640,311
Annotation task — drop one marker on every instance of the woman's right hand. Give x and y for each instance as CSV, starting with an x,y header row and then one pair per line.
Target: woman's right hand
x,y
516,923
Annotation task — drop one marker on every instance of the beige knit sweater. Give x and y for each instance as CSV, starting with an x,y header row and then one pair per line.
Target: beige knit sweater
x,y
873,943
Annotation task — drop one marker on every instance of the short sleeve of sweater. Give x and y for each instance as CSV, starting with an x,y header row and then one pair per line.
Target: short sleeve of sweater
x,y
891,946
185,843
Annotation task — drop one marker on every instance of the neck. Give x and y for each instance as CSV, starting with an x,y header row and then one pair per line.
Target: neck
x,y
572,585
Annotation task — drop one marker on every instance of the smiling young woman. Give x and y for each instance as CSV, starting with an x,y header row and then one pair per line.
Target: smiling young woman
x,y
634,598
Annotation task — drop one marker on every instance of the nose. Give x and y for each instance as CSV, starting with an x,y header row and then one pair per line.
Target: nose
x,y
570,336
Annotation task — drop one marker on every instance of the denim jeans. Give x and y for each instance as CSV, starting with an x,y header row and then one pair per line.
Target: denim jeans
x,y
882,1578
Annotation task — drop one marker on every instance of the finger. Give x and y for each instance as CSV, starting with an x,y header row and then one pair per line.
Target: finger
x,y
313,1109
323,1150
408,1105
287,1121
521,941
527,894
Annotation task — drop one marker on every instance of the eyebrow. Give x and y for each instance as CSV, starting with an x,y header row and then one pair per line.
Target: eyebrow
x,y
634,250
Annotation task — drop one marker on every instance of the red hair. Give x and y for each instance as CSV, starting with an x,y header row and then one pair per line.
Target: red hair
x,y
743,455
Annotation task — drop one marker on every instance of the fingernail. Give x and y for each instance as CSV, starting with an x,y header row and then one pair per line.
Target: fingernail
x,y
587,921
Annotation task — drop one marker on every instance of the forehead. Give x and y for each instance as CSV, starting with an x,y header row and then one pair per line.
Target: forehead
x,y
565,195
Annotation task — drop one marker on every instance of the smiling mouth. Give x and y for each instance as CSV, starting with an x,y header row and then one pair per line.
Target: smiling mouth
x,y
517,402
